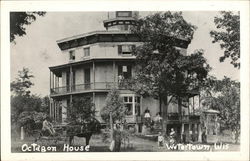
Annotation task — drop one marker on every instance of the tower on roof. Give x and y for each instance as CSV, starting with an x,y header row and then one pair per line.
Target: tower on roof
x,y
121,20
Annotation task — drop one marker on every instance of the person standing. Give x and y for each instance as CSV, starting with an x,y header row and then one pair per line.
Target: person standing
x,y
172,137
117,138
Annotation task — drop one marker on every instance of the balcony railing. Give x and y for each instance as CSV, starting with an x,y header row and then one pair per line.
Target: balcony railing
x,y
183,118
86,87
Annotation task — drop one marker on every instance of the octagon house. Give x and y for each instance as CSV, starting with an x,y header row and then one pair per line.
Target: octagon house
x,y
94,62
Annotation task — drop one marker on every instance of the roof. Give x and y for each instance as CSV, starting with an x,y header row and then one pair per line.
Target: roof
x,y
89,61
92,33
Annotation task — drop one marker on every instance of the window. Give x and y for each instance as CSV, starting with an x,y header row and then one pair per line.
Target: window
x,y
86,52
128,104
125,71
125,49
72,55
124,14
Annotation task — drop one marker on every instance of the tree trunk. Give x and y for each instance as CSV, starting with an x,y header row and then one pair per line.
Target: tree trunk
x,y
111,126
164,116
179,115
179,107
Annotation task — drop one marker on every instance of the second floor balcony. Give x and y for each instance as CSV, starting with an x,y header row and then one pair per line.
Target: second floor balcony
x,y
87,87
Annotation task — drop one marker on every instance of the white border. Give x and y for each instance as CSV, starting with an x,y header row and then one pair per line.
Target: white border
x,y
102,5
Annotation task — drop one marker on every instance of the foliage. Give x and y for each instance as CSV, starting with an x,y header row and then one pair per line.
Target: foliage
x,y
114,105
224,96
228,36
18,21
81,110
161,68
31,120
23,83
45,104
27,110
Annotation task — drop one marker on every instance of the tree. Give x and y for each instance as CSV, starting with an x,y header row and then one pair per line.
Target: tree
x,y
162,70
45,104
81,110
27,109
22,84
18,21
228,36
113,110
224,96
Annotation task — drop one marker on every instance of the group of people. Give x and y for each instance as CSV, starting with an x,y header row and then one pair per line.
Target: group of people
x,y
148,121
172,138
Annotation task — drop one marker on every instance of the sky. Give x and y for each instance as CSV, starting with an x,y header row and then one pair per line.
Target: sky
x,y
38,50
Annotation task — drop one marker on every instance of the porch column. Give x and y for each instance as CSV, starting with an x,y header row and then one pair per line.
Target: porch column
x,y
190,131
114,73
193,105
50,81
182,131
133,100
93,98
71,78
70,99
195,131
56,81
70,103
55,111
199,132
93,75
50,107
199,100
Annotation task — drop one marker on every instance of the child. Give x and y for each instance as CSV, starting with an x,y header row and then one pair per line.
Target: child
x,y
160,140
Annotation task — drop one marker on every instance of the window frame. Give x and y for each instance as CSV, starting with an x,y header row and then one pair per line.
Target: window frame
x,y
72,55
84,53
123,12
121,49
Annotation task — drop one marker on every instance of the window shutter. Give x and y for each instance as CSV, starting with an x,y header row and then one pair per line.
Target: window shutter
x,y
129,71
120,70
119,49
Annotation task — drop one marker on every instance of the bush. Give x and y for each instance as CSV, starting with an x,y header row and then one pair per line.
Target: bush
x,y
30,121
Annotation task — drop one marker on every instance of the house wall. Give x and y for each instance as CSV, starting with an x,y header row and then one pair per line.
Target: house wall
x,y
98,50
104,72
102,50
